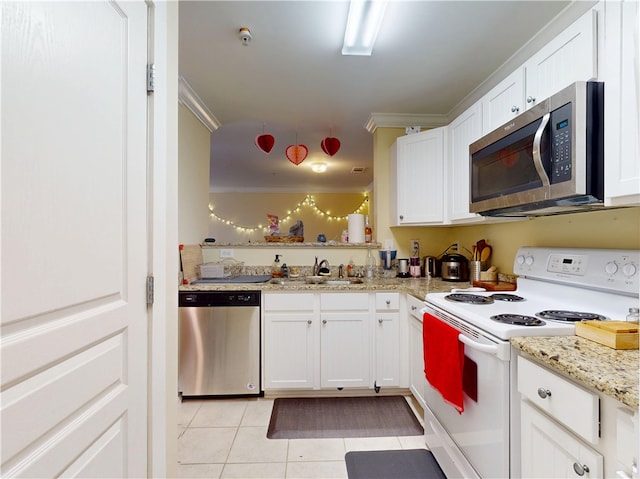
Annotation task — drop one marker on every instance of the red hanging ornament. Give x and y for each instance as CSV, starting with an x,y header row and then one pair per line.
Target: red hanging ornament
x,y
296,153
330,145
265,142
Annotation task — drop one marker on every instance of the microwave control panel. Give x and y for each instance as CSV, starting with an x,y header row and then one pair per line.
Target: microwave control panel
x,y
561,127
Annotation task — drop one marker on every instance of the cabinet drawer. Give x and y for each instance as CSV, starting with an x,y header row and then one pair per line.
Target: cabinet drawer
x,y
387,301
567,403
288,302
414,305
344,301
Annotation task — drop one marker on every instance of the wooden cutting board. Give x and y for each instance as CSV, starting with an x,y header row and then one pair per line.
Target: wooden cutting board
x,y
495,285
614,334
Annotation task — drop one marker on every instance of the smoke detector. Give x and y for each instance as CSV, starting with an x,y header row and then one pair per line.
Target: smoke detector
x,y
245,36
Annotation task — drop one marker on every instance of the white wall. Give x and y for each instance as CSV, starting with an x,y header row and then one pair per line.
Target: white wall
x,y
193,178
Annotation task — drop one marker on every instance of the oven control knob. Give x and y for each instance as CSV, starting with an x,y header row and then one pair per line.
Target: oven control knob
x,y
529,260
611,267
544,393
520,259
629,270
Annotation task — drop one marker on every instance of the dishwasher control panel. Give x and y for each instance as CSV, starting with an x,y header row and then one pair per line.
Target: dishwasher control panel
x,y
207,299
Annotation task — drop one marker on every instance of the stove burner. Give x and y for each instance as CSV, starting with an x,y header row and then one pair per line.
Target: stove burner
x,y
559,315
469,298
507,297
518,320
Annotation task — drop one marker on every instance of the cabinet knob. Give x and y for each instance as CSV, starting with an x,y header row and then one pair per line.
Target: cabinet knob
x,y
530,99
380,321
544,393
309,321
413,308
401,217
515,109
580,469
388,301
324,321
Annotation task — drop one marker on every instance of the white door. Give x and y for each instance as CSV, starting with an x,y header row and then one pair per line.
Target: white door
x,y
73,240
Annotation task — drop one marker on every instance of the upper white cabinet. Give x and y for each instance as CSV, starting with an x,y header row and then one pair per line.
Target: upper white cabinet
x,y
569,57
622,103
503,102
417,178
463,131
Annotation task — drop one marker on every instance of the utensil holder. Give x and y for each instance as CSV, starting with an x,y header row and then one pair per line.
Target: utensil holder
x,y
474,270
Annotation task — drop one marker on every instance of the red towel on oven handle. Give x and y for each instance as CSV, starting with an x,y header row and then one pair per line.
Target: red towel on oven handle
x,y
443,360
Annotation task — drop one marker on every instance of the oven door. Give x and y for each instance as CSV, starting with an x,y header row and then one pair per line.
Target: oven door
x,y
476,442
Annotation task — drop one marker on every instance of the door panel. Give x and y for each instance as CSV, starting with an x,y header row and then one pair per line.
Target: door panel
x,y
74,240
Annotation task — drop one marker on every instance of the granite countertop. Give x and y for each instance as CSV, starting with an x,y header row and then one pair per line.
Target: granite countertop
x,y
610,371
417,287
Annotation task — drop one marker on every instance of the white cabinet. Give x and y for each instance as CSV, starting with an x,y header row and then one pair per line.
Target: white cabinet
x,y
569,57
622,103
548,450
417,381
387,340
554,414
417,178
503,102
345,345
290,338
463,131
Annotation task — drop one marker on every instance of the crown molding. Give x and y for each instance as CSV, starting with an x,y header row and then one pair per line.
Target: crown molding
x,y
403,120
192,101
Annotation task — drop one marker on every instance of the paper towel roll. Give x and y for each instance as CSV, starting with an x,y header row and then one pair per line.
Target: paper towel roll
x,y
356,228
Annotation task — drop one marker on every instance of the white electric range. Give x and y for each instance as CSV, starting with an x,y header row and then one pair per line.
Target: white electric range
x,y
556,288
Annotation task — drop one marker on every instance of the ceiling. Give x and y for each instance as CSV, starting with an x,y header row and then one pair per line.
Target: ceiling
x,y
291,81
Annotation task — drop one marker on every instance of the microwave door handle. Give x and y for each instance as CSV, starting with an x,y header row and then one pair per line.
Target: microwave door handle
x,y
537,158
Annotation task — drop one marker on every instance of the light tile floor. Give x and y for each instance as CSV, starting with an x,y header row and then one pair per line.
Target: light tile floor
x,y
227,438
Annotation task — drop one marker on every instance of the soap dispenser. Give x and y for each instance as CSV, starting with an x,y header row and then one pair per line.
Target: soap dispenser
x,y
276,271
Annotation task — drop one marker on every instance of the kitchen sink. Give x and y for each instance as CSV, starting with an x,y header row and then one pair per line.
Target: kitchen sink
x,y
328,282
336,282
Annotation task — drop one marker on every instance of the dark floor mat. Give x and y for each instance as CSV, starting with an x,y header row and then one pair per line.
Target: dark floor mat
x,y
402,464
307,418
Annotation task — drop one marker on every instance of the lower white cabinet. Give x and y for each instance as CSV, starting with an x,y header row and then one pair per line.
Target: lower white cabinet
x,y
548,450
344,340
417,381
290,338
387,340
331,340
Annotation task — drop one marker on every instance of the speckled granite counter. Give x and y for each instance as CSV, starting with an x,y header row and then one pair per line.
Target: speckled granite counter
x,y
417,287
612,372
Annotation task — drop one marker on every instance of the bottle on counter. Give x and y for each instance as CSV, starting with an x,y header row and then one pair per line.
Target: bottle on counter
x,y
276,270
371,265
368,232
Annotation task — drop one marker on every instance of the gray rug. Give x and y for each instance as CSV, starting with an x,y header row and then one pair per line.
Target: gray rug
x,y
314,418
403,464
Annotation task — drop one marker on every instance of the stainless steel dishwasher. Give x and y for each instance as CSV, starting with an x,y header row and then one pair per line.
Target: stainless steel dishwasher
x,y
219,349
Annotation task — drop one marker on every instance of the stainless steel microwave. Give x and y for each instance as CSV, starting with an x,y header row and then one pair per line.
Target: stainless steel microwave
x,y
548,160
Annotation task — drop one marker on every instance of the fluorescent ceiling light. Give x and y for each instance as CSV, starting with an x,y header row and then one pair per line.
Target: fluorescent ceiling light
x,y
363,23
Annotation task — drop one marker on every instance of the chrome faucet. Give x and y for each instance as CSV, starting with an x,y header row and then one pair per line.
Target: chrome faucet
x,y
340,271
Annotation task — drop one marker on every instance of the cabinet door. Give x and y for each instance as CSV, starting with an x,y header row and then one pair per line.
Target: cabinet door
x,y
418,381
345,349
420,178
289,359
548,450
463,131
387,335
503,102
622,104
570,57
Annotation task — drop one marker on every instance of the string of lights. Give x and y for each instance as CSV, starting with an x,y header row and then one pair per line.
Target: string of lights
x,y
308,202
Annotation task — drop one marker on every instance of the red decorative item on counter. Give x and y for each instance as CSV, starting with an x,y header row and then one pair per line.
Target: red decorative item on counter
x,y
330,145
296,153
265,142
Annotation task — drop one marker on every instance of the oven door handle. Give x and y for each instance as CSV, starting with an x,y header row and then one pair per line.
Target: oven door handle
x,y
485,348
